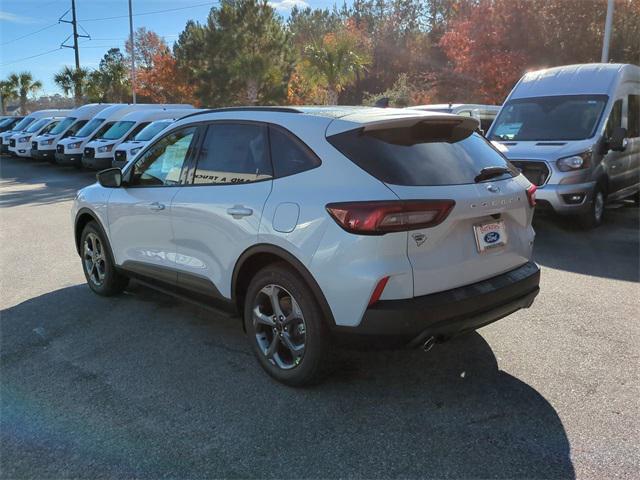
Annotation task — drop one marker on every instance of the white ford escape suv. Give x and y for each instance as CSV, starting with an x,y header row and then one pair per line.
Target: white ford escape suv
x,y
316,224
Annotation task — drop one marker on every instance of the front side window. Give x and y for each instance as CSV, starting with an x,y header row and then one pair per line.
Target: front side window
x,y
117,130
633,117
135,131
75,128
615,118
49,128
34,127
289,154
562,117
233,153
89,128
161,165
63,125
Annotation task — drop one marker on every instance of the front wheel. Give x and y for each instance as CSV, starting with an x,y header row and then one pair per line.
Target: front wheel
x,y
97,264
594,216
285,326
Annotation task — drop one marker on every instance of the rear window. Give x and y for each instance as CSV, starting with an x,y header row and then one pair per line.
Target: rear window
x,y
421,155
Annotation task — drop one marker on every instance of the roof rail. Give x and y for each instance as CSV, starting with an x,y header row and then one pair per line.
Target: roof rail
x,y
245,109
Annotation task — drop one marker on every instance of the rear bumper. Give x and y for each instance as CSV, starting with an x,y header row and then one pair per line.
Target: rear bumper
x,y
448,313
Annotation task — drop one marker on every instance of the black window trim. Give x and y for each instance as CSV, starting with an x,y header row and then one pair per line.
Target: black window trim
x,y
195,146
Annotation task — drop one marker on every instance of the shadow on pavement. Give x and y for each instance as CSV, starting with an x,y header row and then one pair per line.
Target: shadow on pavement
x,y
145,386
50,183
611,250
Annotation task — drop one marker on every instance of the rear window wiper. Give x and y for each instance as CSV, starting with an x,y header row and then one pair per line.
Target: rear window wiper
x,y
490,172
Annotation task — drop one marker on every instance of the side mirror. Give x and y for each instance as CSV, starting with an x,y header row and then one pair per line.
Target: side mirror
x,y
110,178
618,140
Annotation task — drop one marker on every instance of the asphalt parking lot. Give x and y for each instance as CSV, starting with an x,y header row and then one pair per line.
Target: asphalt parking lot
x,y
145,386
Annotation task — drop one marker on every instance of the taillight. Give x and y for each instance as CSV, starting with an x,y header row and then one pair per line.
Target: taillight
x,y
531,195
378,218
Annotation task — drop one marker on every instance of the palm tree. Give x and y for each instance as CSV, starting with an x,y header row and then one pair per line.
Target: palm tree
x,y
8,92
25,84
72,79
337,60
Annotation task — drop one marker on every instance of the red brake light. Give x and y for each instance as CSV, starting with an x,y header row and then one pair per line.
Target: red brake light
x,y
378,218
531,195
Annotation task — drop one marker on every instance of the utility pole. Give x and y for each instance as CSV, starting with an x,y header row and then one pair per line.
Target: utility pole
x,y
607,32
133,55
74,24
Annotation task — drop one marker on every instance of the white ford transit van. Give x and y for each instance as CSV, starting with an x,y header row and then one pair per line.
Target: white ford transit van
x,y
20,143
43,146
23,124
69,150
134,143
574,131
98,153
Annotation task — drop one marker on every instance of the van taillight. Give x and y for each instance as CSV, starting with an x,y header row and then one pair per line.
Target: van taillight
x,y
378,218
531,195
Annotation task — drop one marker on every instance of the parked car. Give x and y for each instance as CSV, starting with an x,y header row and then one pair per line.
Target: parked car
x,y
98,153
485,114
130,148
23,124
574,131
69,151
8,123
43,147
20,143
317,224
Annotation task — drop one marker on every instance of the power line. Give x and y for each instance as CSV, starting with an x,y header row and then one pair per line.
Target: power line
x,y
147,13
29,34
32,56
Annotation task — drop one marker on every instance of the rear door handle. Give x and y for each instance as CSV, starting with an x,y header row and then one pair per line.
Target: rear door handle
x,y
238,211
156,206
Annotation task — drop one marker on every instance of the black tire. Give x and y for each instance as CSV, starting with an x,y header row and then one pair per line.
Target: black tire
x,y
310,367
103,278
594,216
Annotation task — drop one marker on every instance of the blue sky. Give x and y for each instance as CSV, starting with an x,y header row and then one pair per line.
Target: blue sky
x,y
24,17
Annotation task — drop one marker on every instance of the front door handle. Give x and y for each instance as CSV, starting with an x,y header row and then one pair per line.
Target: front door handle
x,y
238,211
156,206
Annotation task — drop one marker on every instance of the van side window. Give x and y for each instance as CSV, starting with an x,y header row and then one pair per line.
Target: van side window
x,y
136,131
633,118
74,128
233,153
288,154
615,118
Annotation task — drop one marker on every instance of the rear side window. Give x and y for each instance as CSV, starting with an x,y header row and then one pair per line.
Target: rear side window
x,y
233,153
633,118
425,154
288,154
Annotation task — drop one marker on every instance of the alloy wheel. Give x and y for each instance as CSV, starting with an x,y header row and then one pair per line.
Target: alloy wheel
x,y
279,326
94,259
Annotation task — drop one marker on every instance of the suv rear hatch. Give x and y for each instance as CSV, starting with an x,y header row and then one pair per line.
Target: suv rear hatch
x,y
488,231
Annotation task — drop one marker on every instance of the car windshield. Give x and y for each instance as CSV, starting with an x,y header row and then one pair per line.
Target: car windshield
x,y
34,127
151,130
5,121
118,130
564,117
23,124
89,128
63,125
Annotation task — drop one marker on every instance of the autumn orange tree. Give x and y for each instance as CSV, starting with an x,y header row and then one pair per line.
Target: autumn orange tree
x,y
165,82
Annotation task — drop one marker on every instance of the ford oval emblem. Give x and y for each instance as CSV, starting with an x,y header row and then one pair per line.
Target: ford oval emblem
x,y
492,237
493,188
